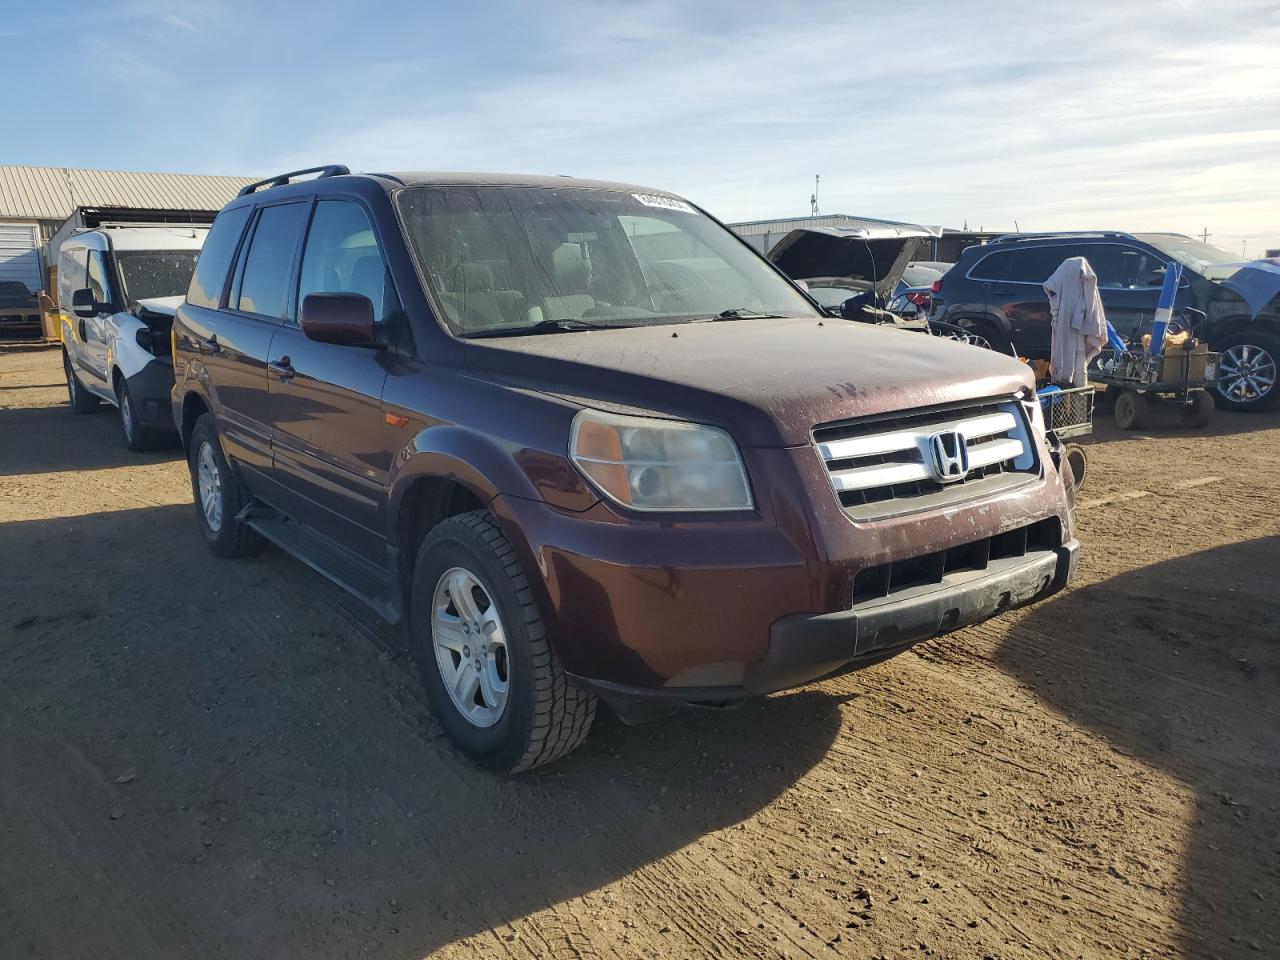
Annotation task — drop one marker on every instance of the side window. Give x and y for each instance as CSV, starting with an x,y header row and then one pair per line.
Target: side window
x,y
98,282
72,266
342,255
1036,264
994,266
215,258
1121,267
268,266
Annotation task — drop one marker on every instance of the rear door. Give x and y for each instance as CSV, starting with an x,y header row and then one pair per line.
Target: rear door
x,y
332,444
1018,292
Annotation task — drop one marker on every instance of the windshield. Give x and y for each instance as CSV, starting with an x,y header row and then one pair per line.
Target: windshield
x,y
1188,252
501,260
155,273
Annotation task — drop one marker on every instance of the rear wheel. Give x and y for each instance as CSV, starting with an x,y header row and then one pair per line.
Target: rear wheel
x,y
1247,371
81,400
494,682
1130,410
219,498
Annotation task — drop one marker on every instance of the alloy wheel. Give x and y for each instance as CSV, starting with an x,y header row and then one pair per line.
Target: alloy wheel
x,y
1246,372
470,646
209,482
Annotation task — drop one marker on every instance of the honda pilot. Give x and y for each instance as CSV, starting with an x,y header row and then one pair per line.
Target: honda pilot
x,y
587,445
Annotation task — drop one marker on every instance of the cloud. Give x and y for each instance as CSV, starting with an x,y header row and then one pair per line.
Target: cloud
x,y
991,113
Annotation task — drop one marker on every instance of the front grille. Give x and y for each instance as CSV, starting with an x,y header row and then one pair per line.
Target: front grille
x,y
885,467
888,580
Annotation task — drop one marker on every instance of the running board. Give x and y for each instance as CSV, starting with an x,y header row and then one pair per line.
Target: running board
x,y
330,559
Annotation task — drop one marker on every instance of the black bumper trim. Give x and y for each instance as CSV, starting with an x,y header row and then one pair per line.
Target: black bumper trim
x,y
808,647
149,389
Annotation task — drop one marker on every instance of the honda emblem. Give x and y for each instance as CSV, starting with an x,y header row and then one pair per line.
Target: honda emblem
x,y
950,456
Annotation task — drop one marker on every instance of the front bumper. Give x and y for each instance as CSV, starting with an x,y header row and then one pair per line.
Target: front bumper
x,y
149,390
808,647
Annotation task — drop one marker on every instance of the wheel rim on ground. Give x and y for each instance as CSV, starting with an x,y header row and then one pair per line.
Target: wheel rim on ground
x,y
471,647
126,415
1246,372
209,483
1079,464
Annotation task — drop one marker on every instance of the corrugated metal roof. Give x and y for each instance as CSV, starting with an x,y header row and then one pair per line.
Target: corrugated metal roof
x,y
51,193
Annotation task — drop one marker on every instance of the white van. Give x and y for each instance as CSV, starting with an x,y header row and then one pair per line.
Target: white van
x,y
118,288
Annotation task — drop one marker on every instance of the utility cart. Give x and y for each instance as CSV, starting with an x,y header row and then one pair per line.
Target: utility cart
x,y
1183,375
1068,413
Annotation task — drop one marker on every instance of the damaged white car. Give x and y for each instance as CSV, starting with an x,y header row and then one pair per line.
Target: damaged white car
x,y
118,289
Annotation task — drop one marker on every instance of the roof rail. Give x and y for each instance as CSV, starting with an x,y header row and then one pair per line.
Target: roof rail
x,y
1015,237
329,170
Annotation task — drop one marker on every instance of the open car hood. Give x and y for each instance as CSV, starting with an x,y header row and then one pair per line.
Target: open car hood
x,y
166,306
875,255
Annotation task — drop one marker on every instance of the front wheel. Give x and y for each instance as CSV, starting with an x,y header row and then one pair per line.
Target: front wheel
x,y
137,437
1247,371
494,682
1199,409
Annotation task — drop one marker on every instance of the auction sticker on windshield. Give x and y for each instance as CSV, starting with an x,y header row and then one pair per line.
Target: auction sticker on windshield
x,y
664,203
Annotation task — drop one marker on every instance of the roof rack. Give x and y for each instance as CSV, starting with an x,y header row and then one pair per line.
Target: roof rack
x,y
1015,237
329,170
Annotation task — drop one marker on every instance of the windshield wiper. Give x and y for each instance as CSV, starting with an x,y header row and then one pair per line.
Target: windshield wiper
x,y
744,313
568,325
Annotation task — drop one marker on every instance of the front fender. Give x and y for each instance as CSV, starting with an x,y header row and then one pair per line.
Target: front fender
x,y
485,467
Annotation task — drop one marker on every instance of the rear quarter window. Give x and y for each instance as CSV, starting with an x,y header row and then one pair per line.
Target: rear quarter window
x,y
210,277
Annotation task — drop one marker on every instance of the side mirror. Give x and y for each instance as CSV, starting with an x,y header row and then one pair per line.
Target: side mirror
x,y
83,304
342,318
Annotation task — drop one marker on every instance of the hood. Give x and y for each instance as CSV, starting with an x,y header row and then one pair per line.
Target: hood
x,y
1257,283
768,382
1219,271
165,306
875,255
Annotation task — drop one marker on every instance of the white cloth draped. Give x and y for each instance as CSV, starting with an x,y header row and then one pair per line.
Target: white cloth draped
x,y
1079,322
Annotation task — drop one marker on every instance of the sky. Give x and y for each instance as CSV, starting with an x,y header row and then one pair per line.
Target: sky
x,y
1094,115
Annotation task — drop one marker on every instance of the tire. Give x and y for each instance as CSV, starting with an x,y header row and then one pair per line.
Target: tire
x,y
1078,461
136,437
532,715
1247,360
1199,409
81,400
1130,410
226,537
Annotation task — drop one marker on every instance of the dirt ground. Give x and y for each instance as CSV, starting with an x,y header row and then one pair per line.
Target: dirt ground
x,y
232,759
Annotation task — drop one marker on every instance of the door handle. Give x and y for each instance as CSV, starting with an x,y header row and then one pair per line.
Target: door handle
x,y
207,346
282,368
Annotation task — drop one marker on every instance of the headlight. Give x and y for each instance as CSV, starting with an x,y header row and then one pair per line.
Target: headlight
x,y
648,464
898,304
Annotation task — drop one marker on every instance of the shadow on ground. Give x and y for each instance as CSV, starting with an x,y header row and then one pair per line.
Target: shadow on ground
x,y
1178,665
36,440
230,759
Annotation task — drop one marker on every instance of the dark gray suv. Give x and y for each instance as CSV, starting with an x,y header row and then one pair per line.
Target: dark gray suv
x,y
996,290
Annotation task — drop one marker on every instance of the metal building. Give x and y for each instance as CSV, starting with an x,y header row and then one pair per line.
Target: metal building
x,y
35,201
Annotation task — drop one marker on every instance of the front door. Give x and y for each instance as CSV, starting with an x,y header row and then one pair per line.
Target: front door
x,y
333,447
97,329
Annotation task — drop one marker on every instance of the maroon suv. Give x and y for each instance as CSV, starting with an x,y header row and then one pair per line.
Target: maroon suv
x,y
587,444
